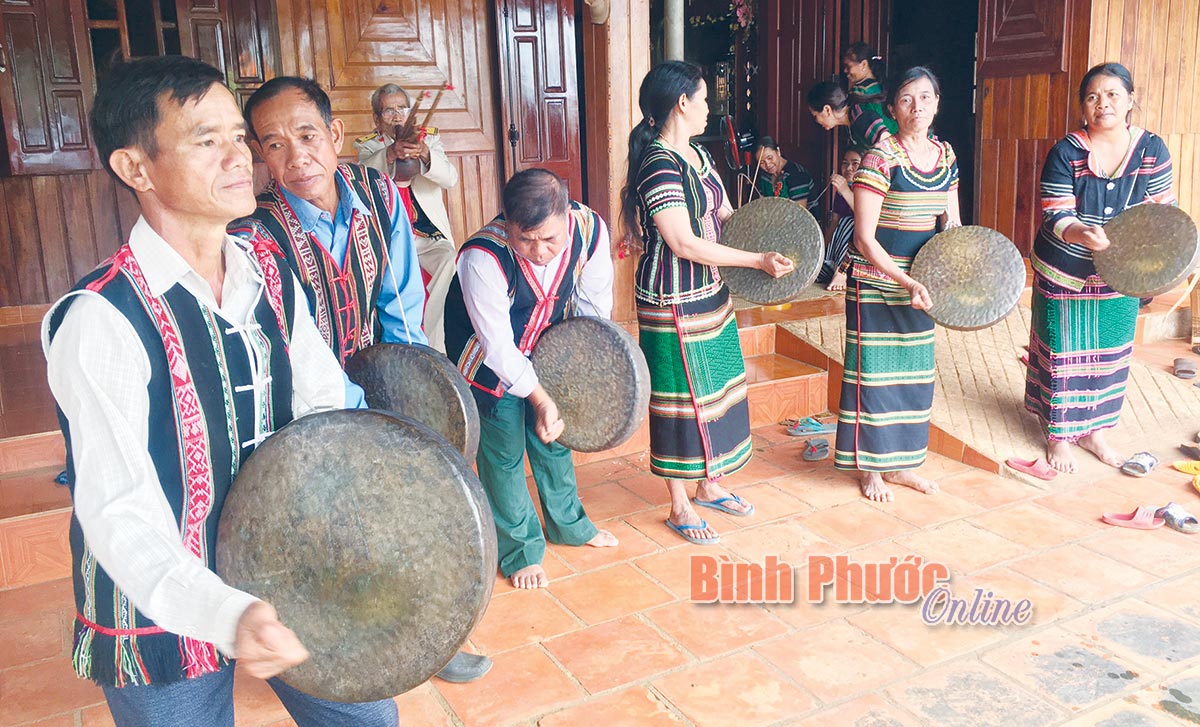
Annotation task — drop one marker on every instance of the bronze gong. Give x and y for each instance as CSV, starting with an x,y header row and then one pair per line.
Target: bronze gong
x,y
773,224
1152,248
597,375
974,274
372,538
422,384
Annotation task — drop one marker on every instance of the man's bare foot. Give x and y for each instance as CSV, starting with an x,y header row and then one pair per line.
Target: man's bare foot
x,y
531,576
1060,455
1099,446
909,478
709,491
688,516
873,488
603,539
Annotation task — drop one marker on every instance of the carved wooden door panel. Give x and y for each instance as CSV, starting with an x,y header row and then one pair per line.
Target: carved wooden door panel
x,y
1022,37
539,71
233,35
46,86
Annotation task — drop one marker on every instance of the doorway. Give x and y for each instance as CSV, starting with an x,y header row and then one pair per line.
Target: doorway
x,y
940,34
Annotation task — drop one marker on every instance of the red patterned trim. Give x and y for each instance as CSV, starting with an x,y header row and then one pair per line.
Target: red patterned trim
x,y
199,657
106,631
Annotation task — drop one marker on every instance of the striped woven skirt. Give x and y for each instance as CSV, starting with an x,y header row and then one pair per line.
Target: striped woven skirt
x,y
1079,349
699,418
887,387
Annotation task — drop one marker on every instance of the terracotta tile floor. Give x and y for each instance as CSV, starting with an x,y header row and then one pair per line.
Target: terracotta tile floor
x,y
615,639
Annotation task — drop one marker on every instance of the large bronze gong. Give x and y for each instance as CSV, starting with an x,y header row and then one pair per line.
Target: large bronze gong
x,y
597,375
974,274
1153,248
422,384
372,538
772,224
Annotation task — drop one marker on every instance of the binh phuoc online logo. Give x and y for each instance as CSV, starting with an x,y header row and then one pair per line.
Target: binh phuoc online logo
x,y
909,580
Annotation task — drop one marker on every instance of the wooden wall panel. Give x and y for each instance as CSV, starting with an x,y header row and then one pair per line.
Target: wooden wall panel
x,y
1157,40
56,228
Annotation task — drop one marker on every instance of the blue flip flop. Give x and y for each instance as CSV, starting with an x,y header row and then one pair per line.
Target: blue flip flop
x,y
809,425
682,530
719,504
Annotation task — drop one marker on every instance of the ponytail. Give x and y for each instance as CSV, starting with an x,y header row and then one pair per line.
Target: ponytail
x,y
859,52
660,92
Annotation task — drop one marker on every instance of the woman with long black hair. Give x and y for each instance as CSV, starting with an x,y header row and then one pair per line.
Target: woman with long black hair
x,y
699,419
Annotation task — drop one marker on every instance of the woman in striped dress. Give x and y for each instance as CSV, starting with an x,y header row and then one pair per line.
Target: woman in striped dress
x,y
1082,331
904,185
864,73
832,107
699,419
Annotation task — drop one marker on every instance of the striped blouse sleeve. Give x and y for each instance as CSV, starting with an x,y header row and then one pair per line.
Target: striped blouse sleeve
x,y
875,173
1058,192
867,126
660,183
1156,165
952,164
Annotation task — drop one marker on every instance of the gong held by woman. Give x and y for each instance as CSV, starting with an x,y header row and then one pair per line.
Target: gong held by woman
x,y
1081,333
906,182
674,198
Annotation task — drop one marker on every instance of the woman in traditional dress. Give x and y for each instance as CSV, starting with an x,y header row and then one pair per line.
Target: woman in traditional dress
x,y
865,72
837,257
905,184
780,177
832,107
1081,335
699,419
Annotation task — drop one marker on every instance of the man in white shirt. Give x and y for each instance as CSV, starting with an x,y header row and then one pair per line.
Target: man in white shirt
x,y
542,260
422,171
169,364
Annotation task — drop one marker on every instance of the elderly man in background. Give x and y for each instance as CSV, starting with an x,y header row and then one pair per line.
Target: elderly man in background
x,y
421,170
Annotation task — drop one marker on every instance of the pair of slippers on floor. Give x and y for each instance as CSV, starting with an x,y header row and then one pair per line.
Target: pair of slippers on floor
x,y
1139,465
1148,518
1185,368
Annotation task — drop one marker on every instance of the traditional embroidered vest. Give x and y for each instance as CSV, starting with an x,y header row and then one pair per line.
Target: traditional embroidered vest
x,y
342,294
204,421
531,309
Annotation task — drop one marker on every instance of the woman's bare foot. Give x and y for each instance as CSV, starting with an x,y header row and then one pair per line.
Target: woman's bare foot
x,y
910,478
1061,456
1099,446
531,576
603,539
710,491
873,488
838,282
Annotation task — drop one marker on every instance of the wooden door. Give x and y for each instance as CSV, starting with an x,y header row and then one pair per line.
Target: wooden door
x,y
539,71
46,86
236,36
798,44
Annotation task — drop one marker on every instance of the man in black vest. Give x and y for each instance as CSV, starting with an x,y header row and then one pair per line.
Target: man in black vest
x,y
160,361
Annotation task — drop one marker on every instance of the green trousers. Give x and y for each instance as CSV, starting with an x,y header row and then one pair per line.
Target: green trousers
x,y
506,435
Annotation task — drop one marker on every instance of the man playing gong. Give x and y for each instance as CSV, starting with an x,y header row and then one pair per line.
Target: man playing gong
x,y
346,235
545,258
341,227
170,363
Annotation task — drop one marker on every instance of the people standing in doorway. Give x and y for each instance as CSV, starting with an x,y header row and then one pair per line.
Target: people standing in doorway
x,y
831,106
865,71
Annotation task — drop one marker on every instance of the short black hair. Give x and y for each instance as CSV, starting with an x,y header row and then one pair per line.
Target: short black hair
x,y
125,113
534,195
765,142
1115,70
272,88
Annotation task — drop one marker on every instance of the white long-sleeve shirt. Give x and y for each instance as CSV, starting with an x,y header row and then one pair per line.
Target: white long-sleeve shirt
x,y
98,371
485,293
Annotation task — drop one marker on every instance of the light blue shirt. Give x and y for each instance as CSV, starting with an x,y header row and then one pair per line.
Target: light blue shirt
x,y
402,293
